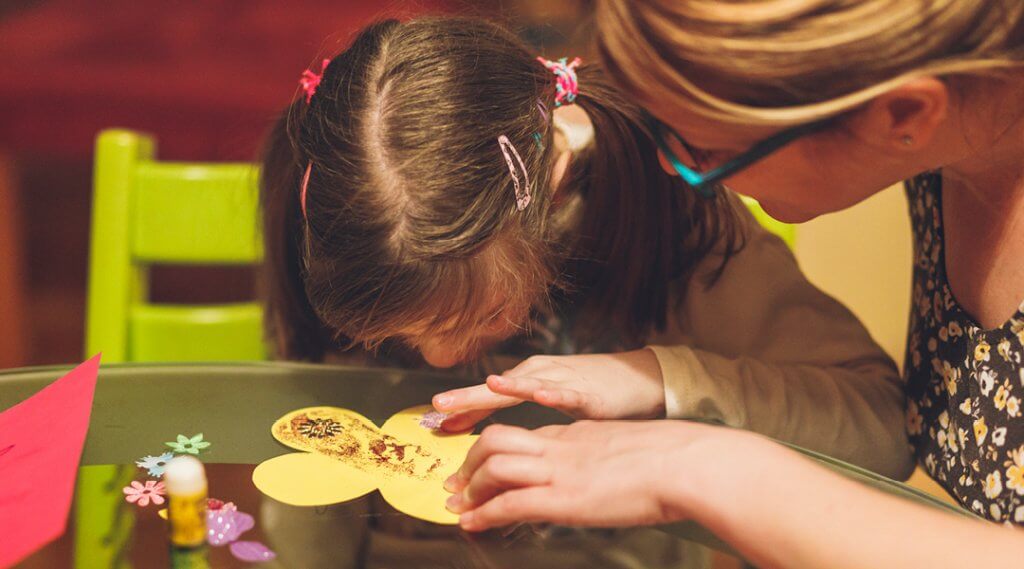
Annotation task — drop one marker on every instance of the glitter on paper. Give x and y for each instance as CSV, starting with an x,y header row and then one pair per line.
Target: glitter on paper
x,y
433,420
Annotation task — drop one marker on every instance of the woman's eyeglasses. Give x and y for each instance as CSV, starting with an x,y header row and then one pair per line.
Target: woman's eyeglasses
x,y
708,183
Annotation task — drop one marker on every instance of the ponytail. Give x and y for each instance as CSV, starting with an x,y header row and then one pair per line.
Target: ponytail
x,y
640,229
290,321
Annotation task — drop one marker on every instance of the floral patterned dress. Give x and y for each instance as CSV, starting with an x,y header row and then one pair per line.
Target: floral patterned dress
x,y
965,384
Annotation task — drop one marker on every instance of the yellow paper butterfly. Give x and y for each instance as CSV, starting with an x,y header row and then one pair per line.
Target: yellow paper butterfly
x,y
345,456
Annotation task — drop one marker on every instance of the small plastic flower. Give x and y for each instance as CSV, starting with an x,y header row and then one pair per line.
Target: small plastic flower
x,y
140,494
186,445
155,465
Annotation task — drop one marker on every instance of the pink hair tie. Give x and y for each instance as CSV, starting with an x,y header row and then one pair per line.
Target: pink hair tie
x,y
310,80
566,85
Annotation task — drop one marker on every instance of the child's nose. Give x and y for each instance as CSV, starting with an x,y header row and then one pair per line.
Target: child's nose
x,y
440,357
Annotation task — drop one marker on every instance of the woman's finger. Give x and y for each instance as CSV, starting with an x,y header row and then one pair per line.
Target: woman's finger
x,y
470,398
531,504
496,439
500,473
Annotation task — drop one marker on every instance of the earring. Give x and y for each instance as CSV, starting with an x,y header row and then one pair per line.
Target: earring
x,y
907,140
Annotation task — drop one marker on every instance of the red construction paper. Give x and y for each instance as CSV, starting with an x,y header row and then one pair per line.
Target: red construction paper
x,y
41,442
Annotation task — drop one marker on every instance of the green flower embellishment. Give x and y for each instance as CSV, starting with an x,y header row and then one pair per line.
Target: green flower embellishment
x,y
186,445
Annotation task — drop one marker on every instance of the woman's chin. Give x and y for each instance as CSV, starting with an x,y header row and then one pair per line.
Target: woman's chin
x,y
785,213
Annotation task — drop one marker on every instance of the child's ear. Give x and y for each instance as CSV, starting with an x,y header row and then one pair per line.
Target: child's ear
x,y
905,118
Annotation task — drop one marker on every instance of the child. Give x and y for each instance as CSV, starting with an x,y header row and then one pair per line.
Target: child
x,y
420,193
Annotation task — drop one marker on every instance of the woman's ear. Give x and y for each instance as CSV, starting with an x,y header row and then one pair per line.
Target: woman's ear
x,y
905,118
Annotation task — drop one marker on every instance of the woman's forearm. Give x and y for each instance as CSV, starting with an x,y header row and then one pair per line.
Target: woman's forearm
x,y
779,509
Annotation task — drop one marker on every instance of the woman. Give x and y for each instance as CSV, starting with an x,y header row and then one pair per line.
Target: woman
x,y
811,107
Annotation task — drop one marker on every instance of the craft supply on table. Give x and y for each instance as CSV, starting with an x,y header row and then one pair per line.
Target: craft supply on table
x,y
41,442
185,482
345,456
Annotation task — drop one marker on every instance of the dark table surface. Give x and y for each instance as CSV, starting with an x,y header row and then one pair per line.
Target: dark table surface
x,y
138,407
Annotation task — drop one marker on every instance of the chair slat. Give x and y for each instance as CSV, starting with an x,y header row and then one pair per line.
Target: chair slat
x,y
196,213
179,333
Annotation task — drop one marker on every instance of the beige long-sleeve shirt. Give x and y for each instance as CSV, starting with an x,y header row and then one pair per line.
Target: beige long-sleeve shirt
x,y
765,350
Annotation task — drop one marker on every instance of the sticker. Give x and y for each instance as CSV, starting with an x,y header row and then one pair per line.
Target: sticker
x,y
142,494
155,465
252,551
187,445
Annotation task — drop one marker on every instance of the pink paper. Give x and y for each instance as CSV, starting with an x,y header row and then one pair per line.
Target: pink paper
x,y
41,442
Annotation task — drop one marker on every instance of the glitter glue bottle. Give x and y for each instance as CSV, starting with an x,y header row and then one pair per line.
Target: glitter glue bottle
x,y
185,482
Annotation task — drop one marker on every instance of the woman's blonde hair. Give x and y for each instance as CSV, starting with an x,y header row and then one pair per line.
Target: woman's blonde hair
x,y
783,62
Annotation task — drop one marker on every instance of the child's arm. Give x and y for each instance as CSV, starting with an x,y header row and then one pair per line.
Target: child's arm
x,y
777,508
762,349
765,350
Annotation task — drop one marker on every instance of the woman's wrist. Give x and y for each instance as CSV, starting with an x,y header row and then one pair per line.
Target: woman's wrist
x,y
703,480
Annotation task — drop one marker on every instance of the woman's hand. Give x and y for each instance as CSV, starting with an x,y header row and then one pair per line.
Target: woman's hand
x,y
598,474
626,385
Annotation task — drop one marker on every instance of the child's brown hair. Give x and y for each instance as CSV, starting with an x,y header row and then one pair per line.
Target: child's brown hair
x,y
411,221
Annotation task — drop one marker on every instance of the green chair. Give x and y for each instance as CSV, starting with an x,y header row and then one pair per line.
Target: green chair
x,y
147,213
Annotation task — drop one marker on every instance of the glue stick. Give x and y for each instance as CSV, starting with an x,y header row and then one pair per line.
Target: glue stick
x,y
185,482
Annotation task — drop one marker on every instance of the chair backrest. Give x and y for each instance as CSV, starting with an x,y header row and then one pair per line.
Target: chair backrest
x,y
147,212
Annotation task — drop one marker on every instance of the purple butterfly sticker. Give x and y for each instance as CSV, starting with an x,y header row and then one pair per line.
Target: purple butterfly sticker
x,y
224,525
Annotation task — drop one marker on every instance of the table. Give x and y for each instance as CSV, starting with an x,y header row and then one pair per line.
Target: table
x,y
138,407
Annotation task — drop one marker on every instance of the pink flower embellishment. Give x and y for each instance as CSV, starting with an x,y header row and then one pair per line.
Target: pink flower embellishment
x,y
310,80
142,495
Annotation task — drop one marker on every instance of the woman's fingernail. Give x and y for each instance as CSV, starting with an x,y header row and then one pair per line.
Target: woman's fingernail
x,y
451,483
453,502
499,380
443,400
466,521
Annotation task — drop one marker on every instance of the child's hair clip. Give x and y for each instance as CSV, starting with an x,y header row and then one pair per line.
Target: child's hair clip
x,y
311,80
522,191
566,85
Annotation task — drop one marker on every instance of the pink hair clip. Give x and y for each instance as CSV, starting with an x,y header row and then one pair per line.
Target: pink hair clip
x,y
566,85
522,191
310,80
